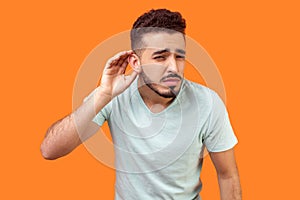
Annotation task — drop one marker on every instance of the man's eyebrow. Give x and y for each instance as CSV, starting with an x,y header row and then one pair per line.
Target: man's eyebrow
x,y
160,51
181,51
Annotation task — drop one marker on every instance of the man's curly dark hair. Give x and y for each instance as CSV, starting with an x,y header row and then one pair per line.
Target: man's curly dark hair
x,y
156,20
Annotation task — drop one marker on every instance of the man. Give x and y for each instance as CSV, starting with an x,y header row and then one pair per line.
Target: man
x,y
159,121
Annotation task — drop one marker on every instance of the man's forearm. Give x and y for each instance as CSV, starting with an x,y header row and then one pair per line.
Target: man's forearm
x,y
230,188
66,134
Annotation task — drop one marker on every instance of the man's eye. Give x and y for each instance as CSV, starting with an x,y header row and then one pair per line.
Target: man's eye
x,y
182,57
159,57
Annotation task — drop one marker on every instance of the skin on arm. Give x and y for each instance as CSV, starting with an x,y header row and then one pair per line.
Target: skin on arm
x,y
228,176
66,134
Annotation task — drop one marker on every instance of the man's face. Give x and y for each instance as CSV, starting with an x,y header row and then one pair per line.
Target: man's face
x,y
163,61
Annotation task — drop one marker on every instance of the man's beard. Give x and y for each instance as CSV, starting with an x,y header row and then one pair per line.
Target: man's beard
x,y
168,92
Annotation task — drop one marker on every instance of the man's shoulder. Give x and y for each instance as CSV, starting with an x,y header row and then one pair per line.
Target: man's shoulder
x,y
202,93
194,84
196,88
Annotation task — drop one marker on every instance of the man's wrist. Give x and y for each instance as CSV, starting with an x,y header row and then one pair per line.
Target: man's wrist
x,y
101,98
103,92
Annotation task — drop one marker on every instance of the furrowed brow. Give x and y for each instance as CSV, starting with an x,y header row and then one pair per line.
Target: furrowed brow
x,y
161,51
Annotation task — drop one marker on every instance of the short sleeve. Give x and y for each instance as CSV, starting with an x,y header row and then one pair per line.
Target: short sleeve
x,y
103,115
220,135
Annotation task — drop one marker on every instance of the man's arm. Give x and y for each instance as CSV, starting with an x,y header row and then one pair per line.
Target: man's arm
x,y
66,134
228,176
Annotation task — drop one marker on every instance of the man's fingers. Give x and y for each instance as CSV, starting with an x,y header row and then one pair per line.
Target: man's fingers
x,y
121,70
118,59
110,63
114,60
123,66
123,58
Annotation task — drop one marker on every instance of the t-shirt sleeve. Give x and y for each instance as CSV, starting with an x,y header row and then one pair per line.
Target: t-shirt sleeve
x,y
103,115
220,135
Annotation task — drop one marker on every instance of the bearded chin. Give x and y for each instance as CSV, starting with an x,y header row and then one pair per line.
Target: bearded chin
x,y
167,93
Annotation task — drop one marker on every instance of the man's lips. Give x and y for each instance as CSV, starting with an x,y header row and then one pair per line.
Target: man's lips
x,y
171,81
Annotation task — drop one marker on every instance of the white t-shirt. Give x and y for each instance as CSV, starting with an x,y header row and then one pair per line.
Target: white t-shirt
x,y
160,155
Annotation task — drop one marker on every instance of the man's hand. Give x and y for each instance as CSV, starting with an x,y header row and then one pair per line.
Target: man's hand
x,y
113,80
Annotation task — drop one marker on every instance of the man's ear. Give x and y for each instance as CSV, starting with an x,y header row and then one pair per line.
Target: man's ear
x,y
134,62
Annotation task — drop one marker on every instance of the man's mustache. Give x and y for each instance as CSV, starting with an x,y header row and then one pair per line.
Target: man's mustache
x,y
171,76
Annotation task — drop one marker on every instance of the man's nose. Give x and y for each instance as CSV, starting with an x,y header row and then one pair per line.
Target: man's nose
x,y
172,65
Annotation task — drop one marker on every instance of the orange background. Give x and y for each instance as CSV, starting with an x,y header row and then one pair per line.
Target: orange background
x,y
255,45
